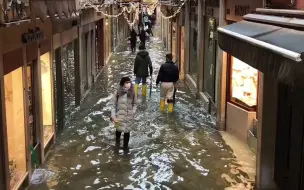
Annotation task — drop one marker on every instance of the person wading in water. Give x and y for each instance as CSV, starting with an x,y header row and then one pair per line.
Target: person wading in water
x,y
123,107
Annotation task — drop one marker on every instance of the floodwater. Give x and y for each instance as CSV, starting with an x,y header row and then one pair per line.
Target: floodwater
x,y
181,150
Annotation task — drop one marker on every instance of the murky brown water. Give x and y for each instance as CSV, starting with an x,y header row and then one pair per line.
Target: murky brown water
x,y
167,151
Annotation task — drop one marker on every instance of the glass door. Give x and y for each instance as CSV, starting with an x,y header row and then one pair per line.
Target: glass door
x,y
210,57
31,104
14,106
47,97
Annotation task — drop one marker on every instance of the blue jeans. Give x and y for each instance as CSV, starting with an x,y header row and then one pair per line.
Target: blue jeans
x,y
141,79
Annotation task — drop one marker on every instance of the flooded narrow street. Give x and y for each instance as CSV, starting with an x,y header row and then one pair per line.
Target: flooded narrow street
x,y
181,150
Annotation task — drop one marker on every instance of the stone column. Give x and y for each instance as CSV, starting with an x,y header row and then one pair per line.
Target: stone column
x,y
78,57
266,133
94,52
221,75
187,37
89,59
201,42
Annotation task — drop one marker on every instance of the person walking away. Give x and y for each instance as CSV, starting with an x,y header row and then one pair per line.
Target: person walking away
x,y
133,39
142,66
123,107
167,76
142,35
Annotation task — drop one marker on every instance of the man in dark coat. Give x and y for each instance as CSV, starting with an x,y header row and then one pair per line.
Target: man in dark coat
x,y
133,39
142,35
142,66
168,75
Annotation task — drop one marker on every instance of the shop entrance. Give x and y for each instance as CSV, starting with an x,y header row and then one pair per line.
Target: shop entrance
x,y
31,102
68,76
289,162
210,57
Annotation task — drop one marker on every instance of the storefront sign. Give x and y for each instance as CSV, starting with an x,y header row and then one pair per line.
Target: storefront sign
x,y
32,36
236,9
241,10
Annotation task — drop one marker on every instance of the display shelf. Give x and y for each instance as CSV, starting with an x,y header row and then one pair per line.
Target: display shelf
x,y
243,84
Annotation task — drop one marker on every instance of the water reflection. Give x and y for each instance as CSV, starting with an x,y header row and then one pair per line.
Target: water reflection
x,y
167,151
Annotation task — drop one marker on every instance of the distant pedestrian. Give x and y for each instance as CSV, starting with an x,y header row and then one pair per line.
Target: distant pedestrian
x,y
168,75
142,66
123,107
142,35
133,39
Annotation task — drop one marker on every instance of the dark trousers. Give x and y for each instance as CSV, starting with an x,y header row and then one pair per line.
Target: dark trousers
x,y
125,140
174,94
133,46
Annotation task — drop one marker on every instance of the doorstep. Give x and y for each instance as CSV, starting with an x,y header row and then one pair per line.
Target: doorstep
x,y
245,156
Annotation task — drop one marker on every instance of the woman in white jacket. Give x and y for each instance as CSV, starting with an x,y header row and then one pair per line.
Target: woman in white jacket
x,y
123,109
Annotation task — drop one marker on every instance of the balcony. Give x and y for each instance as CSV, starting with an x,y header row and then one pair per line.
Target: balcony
x,y
18,10
14,11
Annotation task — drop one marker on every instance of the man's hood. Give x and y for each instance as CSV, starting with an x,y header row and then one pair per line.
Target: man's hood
x,y
170,62
143,54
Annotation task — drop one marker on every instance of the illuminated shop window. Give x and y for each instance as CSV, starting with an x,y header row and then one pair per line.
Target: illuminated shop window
x,y
14,106
47,100
244,84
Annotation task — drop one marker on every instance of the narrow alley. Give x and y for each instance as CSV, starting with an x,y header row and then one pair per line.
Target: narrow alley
x,y
181,150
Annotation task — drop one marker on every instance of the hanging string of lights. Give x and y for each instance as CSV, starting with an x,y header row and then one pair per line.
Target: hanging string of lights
x,y
136,16
133,7
175,12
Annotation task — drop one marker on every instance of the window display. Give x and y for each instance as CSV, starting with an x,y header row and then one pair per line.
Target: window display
x,y
14,106
47,100
244,84
31,105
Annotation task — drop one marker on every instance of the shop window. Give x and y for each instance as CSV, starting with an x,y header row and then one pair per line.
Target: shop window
x,y
244,84
31,102
14,106
47,99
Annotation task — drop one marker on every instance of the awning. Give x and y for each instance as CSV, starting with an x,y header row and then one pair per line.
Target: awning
x,y
273,50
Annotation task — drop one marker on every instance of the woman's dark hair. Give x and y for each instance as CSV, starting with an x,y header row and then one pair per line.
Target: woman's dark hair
x,y
123,80
169,56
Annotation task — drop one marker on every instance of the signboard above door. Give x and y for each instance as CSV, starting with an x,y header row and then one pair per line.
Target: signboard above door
x,y
236,9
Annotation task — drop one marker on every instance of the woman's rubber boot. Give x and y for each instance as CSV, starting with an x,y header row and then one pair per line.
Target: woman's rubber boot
x,y
136,88
162,105
144,90
170,106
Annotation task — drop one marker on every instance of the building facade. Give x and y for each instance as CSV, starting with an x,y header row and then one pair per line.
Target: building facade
x,y
245,96
47,67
